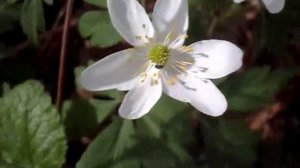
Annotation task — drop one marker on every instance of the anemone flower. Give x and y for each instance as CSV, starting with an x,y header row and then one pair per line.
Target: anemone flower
x,y
159,62
273,6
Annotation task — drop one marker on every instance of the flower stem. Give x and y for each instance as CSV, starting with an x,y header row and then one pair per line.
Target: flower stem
x,y
63,51
212,26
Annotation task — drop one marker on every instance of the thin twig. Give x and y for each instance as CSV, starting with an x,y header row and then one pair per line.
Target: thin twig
x,y
63,51
212,26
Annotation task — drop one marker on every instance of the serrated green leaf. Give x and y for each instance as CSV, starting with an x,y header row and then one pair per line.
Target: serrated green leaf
x,y
149,126
83,116
31,134
168,121
178,129
165,109
151,152
5,89
236,131
32,19
155,152
97,27
109,145
100,3
228,142
255,88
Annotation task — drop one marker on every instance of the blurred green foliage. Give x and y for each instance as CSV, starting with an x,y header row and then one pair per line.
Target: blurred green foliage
x,y
230,142
9,15
99,3
32,12
255,88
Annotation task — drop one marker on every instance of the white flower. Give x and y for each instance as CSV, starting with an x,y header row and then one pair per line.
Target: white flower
x,y
273,6
160,63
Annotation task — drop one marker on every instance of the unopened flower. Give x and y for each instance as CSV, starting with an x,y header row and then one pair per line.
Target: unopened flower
x,y
159,62
273,6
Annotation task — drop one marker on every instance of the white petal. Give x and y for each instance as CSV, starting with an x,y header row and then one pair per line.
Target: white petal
x,y
116,71
238,1
216,58
274,6
131,21
170,16
140,100
201,94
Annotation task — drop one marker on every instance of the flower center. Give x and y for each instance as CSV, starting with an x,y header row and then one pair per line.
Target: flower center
x,y
159,55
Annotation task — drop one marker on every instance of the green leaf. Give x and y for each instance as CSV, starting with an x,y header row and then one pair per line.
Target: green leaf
x,y
109,145
165,109
32,19
31,134
149,126
235,131
155,152
168,122
127,164
255,88
5,89
9,16
83,116
228,142
179,129
100,3
97,27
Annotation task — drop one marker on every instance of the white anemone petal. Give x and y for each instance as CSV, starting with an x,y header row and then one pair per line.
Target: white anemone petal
x,y
131,21
216,58
201,94
274,6
170,17
140,99
116,71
